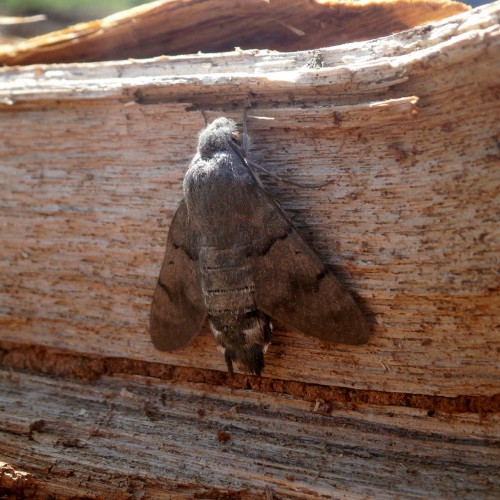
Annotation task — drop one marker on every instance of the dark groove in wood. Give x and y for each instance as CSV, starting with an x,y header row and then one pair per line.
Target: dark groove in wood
x,y
51,362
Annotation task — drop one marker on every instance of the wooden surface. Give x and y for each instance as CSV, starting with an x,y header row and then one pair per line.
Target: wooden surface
x,y
171,27
137,437
405,131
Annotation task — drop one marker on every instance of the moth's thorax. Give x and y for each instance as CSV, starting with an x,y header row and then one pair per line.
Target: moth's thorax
x,y
218,193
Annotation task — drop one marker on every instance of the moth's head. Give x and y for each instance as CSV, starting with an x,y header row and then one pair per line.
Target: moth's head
x,y
217,136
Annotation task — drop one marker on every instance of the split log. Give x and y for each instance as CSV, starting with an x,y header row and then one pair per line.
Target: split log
x,y
169,27
404,130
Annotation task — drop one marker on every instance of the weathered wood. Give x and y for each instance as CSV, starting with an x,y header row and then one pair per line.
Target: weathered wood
x,y
92,171
145,438
187,27
91,162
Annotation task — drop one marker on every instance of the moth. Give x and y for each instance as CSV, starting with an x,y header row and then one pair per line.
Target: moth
x,y
234,257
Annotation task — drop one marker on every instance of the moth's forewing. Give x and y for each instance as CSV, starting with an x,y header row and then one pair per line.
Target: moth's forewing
x,y
178,309
295,287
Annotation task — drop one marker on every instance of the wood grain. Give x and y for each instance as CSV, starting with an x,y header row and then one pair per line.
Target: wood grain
x,y
410,214
404,131
141,438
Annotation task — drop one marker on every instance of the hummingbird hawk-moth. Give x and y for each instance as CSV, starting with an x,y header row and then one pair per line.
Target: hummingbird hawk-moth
x,y
234,256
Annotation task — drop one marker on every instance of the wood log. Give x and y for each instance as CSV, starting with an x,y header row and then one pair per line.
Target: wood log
x,y
182,27
404,131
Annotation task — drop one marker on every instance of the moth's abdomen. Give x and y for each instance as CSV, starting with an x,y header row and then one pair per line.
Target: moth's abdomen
x,y
241,331
228,290
226,280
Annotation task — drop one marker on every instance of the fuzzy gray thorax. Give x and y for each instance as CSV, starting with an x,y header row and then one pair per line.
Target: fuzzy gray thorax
x,y
218,187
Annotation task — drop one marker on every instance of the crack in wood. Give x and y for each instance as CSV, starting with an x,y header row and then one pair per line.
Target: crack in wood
x,y
51,362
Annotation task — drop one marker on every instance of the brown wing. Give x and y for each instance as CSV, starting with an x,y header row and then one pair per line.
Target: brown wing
x,y
178,309
295,287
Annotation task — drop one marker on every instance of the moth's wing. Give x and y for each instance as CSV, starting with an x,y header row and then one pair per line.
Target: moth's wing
x,y
178,309
294,286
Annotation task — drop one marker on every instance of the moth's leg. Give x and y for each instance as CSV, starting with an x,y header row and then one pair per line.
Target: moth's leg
x,y
204,117
229,363
245,142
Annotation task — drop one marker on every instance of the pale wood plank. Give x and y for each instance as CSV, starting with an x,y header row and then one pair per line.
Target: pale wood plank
x,y
411,215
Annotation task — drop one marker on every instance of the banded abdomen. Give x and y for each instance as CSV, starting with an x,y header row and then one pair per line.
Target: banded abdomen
x,y
241,331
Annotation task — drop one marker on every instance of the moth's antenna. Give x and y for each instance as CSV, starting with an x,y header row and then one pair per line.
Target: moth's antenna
x,y
244,150
280,179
